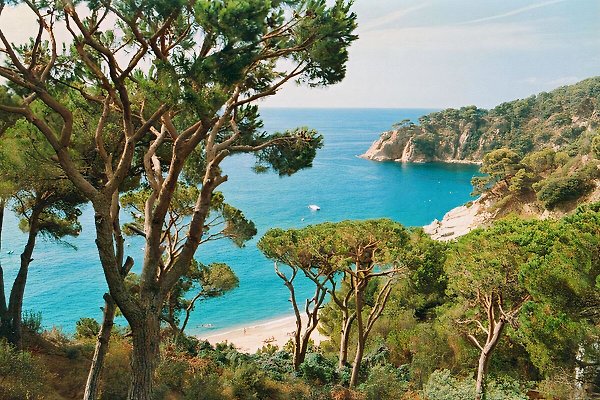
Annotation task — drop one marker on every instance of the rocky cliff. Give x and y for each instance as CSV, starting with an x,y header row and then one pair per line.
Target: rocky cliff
x,y
555,119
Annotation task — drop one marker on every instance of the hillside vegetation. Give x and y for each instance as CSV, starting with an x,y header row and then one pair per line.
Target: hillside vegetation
x,y
540,154
562,119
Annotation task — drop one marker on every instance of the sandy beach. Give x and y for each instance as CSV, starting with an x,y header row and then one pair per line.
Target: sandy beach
x,y
254,336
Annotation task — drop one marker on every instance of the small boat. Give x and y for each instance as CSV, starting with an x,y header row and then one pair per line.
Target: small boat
x,y
314,207
10,252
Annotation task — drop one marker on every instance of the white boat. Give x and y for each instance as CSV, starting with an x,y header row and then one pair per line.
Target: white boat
x,y
314,207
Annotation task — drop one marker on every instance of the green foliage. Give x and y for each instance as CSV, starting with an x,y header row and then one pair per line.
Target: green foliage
x,y
425,143
383,383
330,246
318,368
443,386
277,364
21,375
498,165
596,146
561,189
490,260
35,186
296,150
86,328
32,321
424,259
208,387
116,372
249,382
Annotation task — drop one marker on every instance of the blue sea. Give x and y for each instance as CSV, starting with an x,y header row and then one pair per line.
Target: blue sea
x,y
66,283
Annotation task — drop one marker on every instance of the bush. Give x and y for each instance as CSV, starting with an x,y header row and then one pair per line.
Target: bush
x,y
205,388
86,328
443,386
318,368
383,383
172,373
249,382
596,146
32,321
116,372
21,375
558,190
57,336
278,365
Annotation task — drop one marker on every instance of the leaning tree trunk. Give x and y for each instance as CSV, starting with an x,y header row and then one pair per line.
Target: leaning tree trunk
x,y
93,380
12,329
110,308
485,357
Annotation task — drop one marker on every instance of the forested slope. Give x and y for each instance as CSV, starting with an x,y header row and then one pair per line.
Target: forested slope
x,y
561,119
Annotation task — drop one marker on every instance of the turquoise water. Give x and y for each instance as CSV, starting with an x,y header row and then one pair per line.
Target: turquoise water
x,y
66,284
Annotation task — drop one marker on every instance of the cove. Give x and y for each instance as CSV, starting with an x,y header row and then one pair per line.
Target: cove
x,y
66,284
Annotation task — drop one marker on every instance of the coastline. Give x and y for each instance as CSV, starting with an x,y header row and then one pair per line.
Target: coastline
x,y
461,220
277,331
367,156
252,337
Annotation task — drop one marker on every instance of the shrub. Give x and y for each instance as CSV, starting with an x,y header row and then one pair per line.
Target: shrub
x,y
318,368
205,387
559,387
21,375
596,146
248,382
32,321
383,383
116,372
558,190
57,336
172,373
425,143
86,328
278,365
72,352
443,386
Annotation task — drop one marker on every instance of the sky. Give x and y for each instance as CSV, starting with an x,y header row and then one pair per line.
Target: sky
x,y
445,53
453,53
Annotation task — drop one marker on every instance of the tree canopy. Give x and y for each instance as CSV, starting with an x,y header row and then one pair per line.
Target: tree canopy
x,y
163,91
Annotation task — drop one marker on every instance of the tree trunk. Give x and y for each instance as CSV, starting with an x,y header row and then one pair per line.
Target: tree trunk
x,y
2,204
345,339
484,359
297,343
108,315
145,354
93,380
482,369
13,329
302,349
360,350
3,307
360,346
